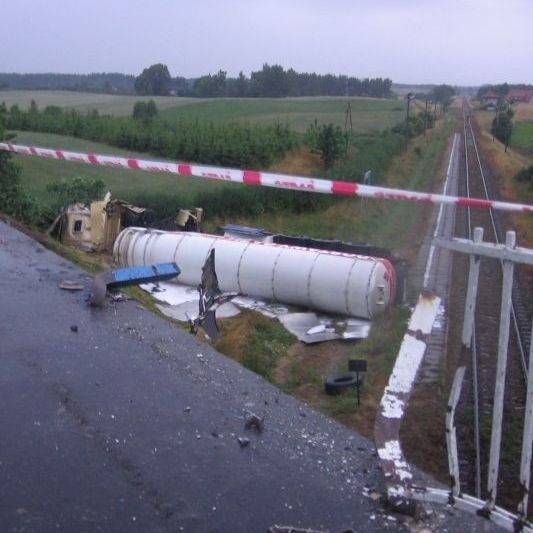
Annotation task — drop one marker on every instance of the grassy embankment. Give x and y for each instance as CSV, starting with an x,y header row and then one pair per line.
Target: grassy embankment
x,y
504,166
263,344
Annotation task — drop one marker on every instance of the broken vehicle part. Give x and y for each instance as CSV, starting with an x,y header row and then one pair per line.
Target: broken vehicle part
x,y
254,422
210,298
309,328
123,277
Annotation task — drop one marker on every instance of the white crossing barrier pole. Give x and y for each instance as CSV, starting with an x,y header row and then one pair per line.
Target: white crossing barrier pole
x,y
266,179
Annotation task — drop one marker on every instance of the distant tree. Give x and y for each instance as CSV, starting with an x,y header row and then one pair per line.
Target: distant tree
x,y
79,189
180,86
211,85
443,94
502,124
14,200
153,81
270,82
242,85
328,140
145,112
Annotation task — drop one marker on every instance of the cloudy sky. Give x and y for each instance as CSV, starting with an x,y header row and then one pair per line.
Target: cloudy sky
x,y
463,42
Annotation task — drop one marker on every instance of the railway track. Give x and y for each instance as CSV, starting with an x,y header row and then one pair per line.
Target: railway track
x,y
475,413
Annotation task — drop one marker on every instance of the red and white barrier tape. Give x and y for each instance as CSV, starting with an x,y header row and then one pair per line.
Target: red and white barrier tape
x,y
252,177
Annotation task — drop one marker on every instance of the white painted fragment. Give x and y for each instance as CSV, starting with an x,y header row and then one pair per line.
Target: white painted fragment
x,y
407,364
424,314
316,329
392,451
391,406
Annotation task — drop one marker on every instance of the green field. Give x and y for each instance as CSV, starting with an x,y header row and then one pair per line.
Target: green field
x,y
368,114
105,103
522,137
381,223
37,172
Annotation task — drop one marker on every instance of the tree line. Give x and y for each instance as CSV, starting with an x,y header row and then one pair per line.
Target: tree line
x,y
226,144
104,82
272,81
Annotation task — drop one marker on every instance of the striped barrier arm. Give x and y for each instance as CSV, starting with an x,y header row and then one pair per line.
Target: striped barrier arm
x,y
266,179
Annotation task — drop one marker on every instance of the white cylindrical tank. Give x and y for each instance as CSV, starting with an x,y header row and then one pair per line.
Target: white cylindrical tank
x,y
333,282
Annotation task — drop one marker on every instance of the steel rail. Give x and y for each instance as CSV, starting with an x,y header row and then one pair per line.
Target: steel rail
x,y
475,384
519,336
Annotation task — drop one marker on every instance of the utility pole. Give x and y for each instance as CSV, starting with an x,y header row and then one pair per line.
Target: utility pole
x,y
426,117
409,96
348,117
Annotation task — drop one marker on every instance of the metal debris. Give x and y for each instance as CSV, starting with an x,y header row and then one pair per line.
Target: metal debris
x,y
243,441
71,286
210,299
122,277
310,328
254,422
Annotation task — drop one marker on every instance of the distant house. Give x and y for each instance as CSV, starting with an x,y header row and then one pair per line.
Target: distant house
x,y
490,99
520,95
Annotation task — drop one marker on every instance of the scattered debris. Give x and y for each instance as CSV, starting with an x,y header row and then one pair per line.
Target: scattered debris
x,y
290,529
122,277
71,285
243,441
210,298
181,302
118,296
373,494
309,328
254,422
189,219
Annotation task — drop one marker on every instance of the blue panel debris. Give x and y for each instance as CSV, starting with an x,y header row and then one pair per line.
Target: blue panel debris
x,y
144,274
122,277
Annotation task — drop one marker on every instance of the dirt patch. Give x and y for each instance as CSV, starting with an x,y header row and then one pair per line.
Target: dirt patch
x,y
300,161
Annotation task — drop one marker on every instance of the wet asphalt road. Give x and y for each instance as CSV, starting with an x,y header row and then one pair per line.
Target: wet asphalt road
x,y
129,424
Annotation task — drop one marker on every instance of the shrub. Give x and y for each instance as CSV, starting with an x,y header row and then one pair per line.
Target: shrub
x,y
79,189
525,176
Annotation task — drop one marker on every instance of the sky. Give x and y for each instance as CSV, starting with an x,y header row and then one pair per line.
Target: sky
x,y
459,42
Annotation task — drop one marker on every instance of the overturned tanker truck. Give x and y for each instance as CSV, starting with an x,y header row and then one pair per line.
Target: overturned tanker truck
x,y
333,282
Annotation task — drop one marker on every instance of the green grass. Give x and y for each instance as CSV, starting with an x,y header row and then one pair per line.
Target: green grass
x,y
367,114
382,223
522,137
266,344
133,185
105,103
